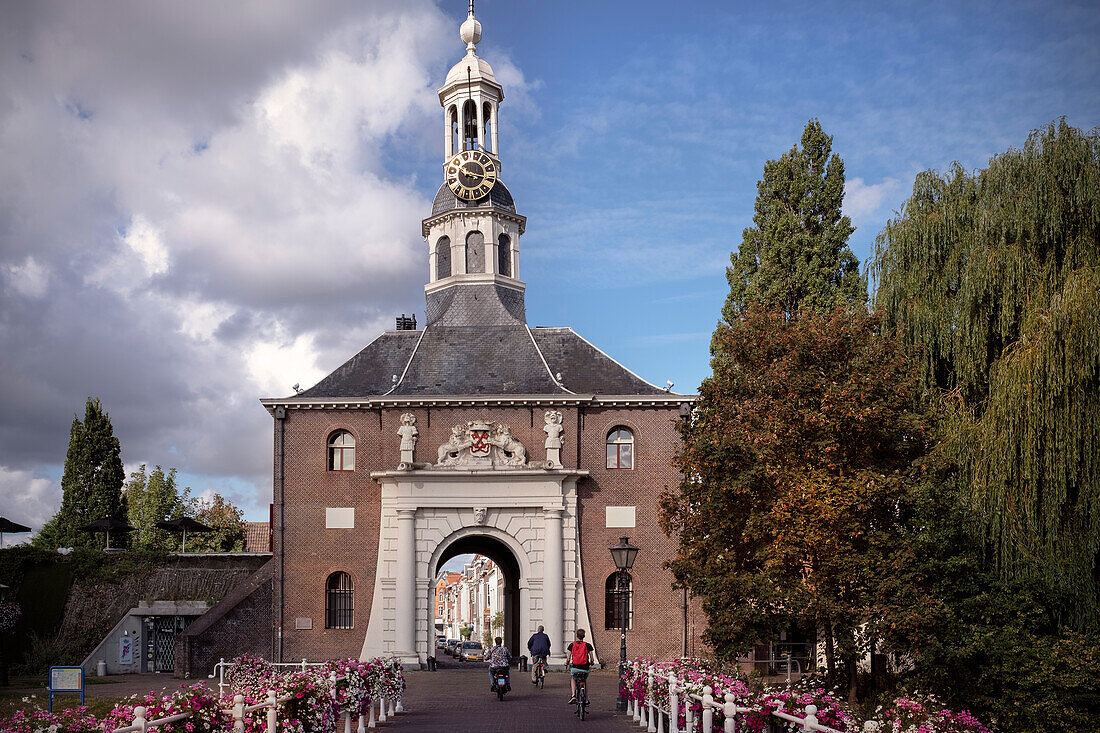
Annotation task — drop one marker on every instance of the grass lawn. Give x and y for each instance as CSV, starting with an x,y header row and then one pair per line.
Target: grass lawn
x,y
10,702
97,706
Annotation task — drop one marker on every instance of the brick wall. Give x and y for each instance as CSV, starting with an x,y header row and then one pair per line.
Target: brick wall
x,y
313,552
657,628
240,623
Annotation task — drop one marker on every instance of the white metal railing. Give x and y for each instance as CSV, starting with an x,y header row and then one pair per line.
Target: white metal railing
x,y
651,716
141,725
222,666
388,707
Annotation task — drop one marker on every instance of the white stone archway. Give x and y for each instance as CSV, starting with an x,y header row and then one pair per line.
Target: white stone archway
x,y
532,511
516,567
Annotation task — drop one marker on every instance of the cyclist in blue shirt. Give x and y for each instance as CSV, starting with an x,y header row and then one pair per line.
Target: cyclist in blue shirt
x,y
539,646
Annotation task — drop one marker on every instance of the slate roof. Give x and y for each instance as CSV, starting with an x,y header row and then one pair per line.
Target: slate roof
x,y
499,196
584,368
479,343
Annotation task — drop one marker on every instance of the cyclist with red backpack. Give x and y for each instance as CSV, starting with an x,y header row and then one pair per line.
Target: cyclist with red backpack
x,y
580,662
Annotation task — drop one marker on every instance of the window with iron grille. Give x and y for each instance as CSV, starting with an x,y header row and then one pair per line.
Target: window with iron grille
x,y
616,601
620,448
341,451
338,601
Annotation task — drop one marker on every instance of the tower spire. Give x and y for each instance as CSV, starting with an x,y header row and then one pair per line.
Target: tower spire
x,y
470,31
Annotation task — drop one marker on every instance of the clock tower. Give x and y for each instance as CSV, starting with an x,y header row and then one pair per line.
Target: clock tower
x,y
473,231
474,433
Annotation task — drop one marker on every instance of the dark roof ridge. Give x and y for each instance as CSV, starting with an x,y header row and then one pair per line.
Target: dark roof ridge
x,y
627,369
407,363
543,358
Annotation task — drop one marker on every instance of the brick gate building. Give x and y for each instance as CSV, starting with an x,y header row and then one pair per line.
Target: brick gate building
x,y
474,434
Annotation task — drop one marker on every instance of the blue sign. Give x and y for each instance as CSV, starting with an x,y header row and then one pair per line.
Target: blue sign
x,y
66,680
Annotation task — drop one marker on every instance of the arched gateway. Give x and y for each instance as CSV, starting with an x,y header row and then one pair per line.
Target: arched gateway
x,y
480,488
475,430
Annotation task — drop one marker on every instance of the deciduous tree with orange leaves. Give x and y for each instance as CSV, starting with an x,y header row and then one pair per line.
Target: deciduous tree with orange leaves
x,y
794,509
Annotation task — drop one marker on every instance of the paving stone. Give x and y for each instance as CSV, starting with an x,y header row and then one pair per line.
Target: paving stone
x,y
459,700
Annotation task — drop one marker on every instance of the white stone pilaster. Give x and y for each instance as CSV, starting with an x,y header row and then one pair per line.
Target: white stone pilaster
x,y
448,138
493,113
480,122
405,606
525,626
552,598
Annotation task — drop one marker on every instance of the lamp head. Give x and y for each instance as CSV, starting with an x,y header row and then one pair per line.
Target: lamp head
x,y
624,554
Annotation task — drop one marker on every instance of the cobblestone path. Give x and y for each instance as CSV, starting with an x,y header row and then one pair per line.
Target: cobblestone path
x,y
458,700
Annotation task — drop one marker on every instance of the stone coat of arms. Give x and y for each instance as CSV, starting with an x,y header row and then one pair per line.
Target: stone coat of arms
x,y
482,444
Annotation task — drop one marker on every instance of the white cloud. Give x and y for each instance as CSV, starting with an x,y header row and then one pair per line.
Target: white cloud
x,y
140,255
146,241
863,200
276,365
29,278
205,198
520,91
28,499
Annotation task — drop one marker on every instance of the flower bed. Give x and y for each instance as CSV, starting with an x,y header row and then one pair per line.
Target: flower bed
x,y
315,700
10,612
905,714
925,714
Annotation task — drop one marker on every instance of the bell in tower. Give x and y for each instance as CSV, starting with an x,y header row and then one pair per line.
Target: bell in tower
x,y
470,137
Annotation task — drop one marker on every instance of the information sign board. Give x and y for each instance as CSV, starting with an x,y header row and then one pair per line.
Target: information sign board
x,y
66,680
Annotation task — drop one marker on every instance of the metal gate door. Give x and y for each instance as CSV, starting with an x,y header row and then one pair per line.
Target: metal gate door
x,y
164,644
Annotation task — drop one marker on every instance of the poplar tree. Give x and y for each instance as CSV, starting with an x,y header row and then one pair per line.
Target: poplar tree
x,y
796,254
91,485
996,273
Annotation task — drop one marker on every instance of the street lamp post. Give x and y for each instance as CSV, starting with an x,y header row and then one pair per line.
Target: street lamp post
x,y
623,554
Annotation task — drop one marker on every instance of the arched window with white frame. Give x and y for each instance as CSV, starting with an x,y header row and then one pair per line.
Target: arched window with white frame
x,y
620,448
341,451
443,258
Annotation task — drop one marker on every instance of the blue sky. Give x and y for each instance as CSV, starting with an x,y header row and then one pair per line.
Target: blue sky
x,y
203,204
638,174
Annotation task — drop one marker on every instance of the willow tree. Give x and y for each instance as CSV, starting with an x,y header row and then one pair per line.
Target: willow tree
x,y
796,254
995,273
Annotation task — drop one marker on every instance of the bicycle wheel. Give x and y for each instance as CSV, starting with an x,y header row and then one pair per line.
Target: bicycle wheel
x,y
542,676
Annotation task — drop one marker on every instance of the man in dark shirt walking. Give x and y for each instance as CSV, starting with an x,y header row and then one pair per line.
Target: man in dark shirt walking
x,y
539,646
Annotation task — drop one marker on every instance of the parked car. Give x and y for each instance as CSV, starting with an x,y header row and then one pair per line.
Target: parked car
x,y
471,652
440,641
452,645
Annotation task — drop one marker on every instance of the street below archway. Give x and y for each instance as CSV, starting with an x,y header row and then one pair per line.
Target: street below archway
x,y
458,699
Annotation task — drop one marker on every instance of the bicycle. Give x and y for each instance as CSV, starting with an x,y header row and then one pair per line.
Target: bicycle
x,y
581,676
540,672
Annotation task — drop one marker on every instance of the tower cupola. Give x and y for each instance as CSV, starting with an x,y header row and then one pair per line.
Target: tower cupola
x,y
473,231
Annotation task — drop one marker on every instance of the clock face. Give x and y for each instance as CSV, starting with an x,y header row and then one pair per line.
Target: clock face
x,y
471,174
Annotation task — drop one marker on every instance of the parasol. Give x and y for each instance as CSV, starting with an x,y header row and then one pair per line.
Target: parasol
x,y
185,525
6,525
108,525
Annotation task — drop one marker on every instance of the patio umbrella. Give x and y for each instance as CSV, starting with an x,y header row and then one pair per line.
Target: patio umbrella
x,y
185,525
107,525
6,525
